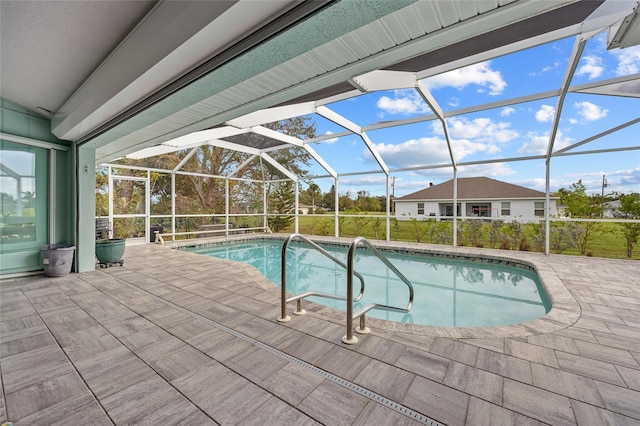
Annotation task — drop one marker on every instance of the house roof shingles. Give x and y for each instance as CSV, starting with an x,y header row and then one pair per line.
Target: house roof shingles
x,y
473,189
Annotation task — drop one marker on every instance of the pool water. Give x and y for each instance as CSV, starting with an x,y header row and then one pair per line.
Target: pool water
x,y
446,292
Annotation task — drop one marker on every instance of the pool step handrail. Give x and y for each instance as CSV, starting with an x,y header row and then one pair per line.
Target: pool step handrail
x,y
298,297
349,338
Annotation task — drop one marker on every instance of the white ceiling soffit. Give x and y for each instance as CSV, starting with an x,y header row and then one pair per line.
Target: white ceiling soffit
x,y
232,91
48,48
271,115
171,39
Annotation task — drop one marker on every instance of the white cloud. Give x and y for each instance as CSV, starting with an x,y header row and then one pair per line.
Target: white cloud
x,y
463,148
507,111
359,181
538,184
623,181
330,141
555,65
545,113
403,102
537,143
628,60
478,74
490,170
412,153
590,111
427,151
592,67
478,129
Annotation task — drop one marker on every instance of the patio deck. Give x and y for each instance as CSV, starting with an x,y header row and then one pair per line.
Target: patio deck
x,y
176,338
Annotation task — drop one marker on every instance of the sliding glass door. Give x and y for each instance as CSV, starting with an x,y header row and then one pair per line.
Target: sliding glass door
x,y
24,204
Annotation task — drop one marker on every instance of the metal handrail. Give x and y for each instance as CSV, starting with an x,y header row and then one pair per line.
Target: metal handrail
x,y
349,338
298,298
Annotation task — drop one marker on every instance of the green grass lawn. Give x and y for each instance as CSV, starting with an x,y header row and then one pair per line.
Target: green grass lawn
x,y
608,241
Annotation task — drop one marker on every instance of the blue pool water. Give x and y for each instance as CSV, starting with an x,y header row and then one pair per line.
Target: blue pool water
x,y
447,292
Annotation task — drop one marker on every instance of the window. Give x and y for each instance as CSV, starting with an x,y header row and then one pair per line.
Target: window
x,y
481,210
538,208
505,208
24,200
449,209
420,208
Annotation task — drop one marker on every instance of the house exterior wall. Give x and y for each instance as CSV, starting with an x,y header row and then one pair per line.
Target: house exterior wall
x,y
520,210
22,257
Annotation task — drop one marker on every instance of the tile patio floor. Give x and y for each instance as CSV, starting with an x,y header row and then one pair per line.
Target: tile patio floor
x,y
120,346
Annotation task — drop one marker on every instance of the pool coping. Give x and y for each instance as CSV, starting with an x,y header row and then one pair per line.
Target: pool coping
x,y
565,309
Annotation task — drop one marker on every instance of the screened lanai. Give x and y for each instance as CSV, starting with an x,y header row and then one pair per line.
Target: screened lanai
x,y
444,152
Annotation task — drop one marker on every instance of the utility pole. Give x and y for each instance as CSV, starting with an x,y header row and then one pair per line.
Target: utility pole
x,y
604,185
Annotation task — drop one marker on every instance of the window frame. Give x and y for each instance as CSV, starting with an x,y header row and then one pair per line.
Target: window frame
x,y
505,208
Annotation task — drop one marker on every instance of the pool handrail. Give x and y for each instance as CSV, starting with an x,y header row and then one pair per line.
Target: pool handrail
x,y
350,338
298,297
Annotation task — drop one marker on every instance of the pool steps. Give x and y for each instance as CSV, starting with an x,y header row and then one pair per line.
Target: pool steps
x,y
349,338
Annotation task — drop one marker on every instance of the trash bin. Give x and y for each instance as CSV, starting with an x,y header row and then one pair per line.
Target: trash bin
x,y
152,232
57,259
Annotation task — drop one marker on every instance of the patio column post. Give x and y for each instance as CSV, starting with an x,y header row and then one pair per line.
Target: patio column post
x,y
226,206
86,208
296,218
110,204
336,209
265,204
173,205
388,219
547,221
455,207
147,209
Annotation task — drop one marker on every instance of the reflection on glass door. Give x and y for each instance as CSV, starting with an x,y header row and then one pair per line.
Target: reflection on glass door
x,y
23,203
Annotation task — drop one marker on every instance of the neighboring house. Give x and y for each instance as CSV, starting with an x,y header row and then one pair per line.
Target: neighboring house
x,y
477,197
304,208
611,209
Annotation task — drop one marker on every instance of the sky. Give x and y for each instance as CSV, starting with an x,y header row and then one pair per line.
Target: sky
x,y
516,131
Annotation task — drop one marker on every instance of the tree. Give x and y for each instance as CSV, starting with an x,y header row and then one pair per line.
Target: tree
x,y
329,199
630,208
580,205
206,195
8,204
346,202
314,194
564,236
283,205
28,199
473,229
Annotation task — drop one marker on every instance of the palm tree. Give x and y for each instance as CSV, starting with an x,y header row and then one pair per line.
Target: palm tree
x,y
28,199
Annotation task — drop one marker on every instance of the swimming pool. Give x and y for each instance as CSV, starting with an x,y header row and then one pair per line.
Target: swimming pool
x,y
448,292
